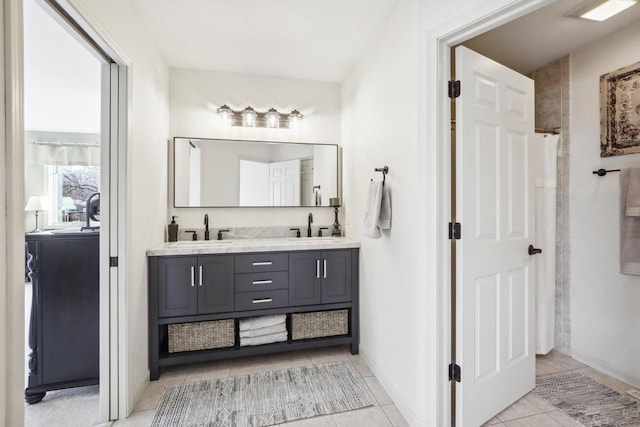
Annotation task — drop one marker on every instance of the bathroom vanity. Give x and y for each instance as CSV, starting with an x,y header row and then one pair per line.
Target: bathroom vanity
x,y
207,287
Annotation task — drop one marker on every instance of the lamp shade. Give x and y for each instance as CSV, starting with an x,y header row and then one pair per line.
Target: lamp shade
x,y
37,203
67,204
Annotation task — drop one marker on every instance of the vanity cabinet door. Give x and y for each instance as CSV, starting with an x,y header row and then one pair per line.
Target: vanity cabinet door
x,y
215,284
336,276
305,278
177,290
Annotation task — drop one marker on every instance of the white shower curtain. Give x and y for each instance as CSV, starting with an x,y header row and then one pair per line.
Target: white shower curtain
x,y
544,161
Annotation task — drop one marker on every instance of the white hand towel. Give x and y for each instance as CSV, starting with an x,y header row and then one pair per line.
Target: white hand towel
x,y
261,322
275,329
629,228
372,210
632,207
264,339
384,218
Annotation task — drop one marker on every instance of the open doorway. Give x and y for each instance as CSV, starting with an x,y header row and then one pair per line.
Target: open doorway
x,y
573,54
73,121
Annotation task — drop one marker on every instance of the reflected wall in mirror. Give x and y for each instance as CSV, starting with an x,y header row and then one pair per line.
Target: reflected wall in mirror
x,y
234,173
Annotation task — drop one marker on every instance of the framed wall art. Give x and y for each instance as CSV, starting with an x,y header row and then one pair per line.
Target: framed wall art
x,y
620,111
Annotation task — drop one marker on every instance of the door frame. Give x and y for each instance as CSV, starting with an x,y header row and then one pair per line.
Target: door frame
x,y
113,392
439,43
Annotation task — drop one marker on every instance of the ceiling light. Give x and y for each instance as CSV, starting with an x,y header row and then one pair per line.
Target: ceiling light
x,y
601,9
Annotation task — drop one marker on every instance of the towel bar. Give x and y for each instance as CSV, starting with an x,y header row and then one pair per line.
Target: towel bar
x,y
603,172
385,171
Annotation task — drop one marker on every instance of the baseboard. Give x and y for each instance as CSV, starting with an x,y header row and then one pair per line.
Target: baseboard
x,y
139,391
605,368
405,409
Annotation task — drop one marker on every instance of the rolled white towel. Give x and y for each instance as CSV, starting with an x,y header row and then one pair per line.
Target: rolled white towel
x,y
251,333
261,322
264,339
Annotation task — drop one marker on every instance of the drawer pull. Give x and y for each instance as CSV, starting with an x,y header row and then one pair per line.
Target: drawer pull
x,y
262,300
317,269
193,276
262,282
262,263
324,269
201,278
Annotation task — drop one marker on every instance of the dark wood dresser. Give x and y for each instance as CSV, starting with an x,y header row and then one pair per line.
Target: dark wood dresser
x,y
64,323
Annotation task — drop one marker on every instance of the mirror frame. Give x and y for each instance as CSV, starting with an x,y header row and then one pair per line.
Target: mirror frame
x,y
172,181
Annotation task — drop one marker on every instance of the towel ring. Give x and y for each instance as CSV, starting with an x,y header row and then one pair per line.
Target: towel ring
x,y
385,171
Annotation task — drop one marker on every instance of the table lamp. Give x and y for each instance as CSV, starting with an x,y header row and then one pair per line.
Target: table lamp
x,y
37,203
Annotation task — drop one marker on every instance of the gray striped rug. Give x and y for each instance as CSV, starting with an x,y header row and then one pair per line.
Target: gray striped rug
x,y
587,401
265,398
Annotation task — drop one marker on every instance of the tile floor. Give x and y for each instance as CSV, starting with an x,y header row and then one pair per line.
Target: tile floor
x,y
528,411
383,414
533,411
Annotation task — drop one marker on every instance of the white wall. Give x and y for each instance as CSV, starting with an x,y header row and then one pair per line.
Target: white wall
x,y
196,94
148,131
380,126
389,118
605,314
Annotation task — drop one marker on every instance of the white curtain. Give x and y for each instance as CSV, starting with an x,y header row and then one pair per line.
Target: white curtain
x,y
544,161
63,155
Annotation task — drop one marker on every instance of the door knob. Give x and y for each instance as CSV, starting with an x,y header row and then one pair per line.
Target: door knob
x,y
533,251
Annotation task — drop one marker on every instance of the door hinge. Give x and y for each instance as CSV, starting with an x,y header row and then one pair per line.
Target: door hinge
x,y
455,372
455,231
113,261
454,88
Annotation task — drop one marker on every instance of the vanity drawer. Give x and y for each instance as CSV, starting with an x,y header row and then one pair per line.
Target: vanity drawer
x,y
257,263
259,300
248,282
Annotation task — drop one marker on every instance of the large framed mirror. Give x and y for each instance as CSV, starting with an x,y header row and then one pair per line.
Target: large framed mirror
x,y
236,173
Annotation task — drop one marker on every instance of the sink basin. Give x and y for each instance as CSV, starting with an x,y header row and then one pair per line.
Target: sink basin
x,y
313,239
199,243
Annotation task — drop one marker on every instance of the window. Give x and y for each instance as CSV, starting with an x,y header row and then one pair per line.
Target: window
x,y
68,188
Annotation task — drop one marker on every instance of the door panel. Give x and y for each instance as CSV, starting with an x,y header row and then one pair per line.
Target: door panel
x,y
494,203
336,276
304,278
284,183
215,284
177,293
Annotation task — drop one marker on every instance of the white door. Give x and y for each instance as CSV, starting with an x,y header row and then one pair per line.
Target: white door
x,y
254,183
284,183
494,204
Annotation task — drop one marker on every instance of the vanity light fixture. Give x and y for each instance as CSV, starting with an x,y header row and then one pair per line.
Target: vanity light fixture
x,y
294,118
226,113
252,118
273,118
249,116
600,10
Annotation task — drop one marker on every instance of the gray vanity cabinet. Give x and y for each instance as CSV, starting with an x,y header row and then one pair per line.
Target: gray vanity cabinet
x,y
195,285
336,276
304,278
319,277
215,284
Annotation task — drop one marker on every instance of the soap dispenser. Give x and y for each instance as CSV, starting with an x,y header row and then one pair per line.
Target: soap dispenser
x,y
173,230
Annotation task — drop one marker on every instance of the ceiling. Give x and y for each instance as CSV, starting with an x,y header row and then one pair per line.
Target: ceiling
x,y
314,40
545,35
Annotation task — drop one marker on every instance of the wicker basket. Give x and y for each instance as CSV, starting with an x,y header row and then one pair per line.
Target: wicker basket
x,y
319,324
201,335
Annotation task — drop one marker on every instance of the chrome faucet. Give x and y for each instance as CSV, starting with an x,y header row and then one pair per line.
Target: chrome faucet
x,y
310,220
206,226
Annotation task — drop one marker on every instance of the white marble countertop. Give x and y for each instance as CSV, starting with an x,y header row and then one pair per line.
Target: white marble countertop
x,y
200,247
